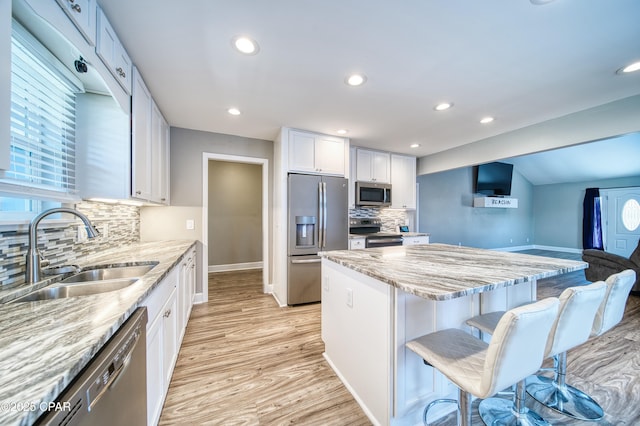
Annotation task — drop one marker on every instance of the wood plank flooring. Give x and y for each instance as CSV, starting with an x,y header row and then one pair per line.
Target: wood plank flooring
x,y
245,361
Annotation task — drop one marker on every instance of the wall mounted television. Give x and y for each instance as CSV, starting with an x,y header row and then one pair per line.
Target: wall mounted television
x,y
493,179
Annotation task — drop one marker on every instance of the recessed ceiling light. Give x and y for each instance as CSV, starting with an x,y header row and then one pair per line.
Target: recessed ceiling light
x,y
355,79
415,145
629,68
246,45
443,106
233,111
541,1
487,120
342,131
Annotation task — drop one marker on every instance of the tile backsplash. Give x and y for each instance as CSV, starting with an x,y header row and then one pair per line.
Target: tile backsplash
x,y
118,225
389,217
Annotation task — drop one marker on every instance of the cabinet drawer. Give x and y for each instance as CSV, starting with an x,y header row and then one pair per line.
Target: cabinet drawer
x,y
158,298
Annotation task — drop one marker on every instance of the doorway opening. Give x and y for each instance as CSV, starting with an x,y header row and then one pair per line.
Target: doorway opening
x,y
231,193
621,219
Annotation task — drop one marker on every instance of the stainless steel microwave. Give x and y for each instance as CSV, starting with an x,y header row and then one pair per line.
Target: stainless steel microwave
x,y
373,194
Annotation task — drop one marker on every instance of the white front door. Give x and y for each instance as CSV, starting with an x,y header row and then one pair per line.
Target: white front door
x,y
621,219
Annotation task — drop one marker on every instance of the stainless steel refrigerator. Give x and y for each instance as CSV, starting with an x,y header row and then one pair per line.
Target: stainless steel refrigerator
x,y
318,221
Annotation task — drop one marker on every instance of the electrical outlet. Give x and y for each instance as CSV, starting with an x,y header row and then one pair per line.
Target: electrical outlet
x,y
190,224
350,298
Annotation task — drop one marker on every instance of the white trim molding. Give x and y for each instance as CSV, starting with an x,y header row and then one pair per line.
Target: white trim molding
x,y
264,162
235,267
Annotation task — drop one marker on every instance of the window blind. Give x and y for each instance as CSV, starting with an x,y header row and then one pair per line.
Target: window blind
x,y
42,151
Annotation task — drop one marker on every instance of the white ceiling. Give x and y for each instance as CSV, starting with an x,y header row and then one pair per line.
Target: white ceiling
x,y
607,159
520,62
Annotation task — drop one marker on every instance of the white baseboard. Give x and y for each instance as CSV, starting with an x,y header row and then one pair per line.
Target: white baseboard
x,y
539,247
235,267
564,249
275,296
515,248
198,298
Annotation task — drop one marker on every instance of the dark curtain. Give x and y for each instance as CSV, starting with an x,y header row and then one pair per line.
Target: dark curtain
x,y
591,223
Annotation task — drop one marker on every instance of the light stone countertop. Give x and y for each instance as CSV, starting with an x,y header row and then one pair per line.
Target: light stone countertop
x,y
45,344
443,272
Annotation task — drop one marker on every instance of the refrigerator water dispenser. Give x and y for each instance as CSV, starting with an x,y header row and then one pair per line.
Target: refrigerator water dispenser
x,y
305,231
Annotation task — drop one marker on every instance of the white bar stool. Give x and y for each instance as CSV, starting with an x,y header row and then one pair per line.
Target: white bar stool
x,y
556,393
481,369
572,327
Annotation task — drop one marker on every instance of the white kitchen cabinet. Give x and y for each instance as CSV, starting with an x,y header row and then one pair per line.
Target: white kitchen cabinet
x,y
414,240
83,15
155,372
372,166
168,309
170,344
403,181
187,290
141,102
159,156
356,243
162,345
112,52
149,146
315,153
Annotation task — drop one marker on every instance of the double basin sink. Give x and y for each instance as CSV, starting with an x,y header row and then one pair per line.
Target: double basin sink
x,y
91,281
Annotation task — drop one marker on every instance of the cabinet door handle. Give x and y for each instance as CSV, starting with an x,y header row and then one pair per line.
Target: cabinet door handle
x,y
167,313
121,72
138,192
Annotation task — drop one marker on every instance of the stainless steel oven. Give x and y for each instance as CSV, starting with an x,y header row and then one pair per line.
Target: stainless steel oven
x,y
373,194
370,229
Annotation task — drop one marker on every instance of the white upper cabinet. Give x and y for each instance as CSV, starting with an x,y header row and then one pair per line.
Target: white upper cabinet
x,y
83,15
403,182
318,154
372,166
112,52
141,103
149,146
159,156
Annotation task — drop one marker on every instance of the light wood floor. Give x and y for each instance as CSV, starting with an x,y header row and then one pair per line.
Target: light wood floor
x,y
245,361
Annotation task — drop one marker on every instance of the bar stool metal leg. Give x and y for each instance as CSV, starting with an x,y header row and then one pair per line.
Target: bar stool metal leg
x,y
510,412
436,402
559,396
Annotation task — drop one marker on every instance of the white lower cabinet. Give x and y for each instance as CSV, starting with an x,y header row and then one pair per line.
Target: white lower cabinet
x,y
187,290
415,240
168,309
155,375
356,243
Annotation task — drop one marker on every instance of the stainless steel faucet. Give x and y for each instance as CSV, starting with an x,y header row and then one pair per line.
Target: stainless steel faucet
x,y
33,274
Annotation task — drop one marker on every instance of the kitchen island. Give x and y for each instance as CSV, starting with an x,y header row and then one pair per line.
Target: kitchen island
x,y
45,344
376,300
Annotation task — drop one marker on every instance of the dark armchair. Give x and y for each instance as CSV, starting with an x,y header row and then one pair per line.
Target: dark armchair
x,y
603,264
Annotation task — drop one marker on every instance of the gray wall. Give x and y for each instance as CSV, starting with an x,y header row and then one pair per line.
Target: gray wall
x,y
187,147
235,213
446,212
557,210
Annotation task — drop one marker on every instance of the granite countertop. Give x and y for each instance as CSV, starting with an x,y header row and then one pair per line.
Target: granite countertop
x,y
442,271
43,345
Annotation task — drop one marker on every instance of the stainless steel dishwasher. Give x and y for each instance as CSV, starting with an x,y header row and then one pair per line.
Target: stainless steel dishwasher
x,y
112,388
